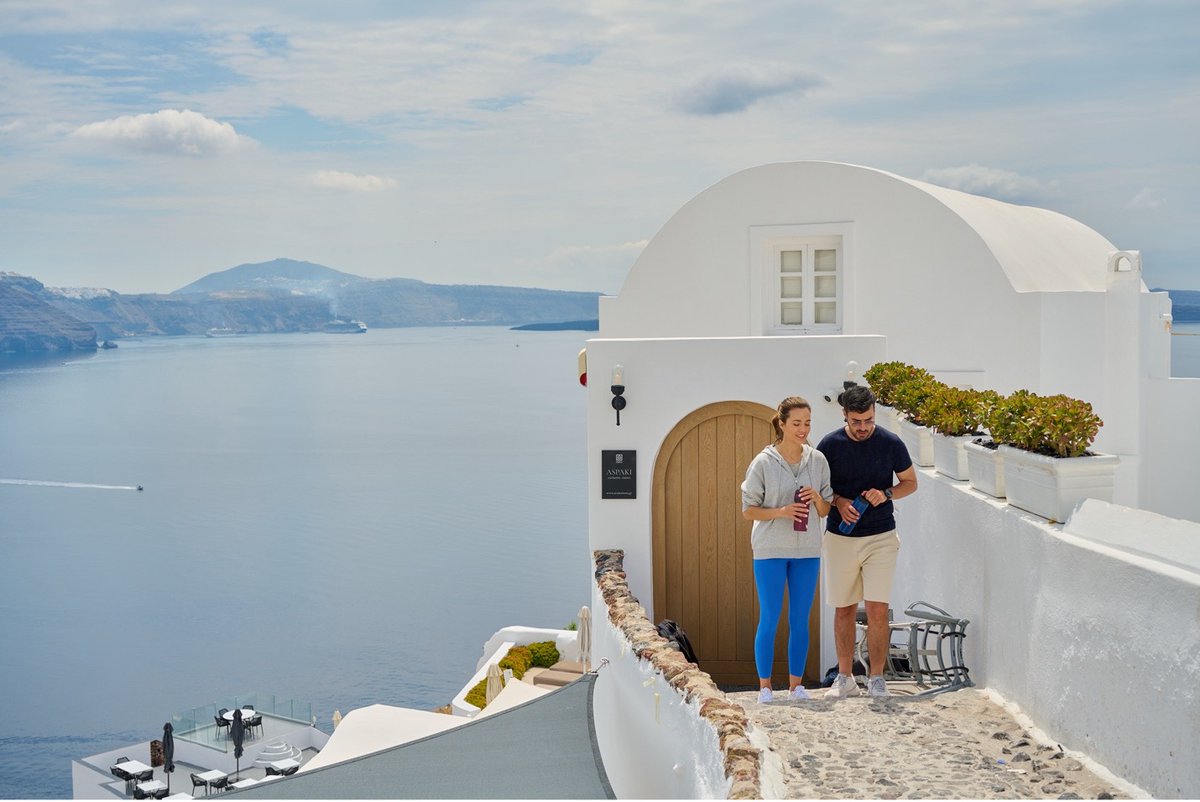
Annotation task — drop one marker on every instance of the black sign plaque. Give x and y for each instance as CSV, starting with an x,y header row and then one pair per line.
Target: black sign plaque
x,y
618,474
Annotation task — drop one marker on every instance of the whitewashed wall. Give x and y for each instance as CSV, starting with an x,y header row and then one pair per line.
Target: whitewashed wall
x,y
667,379
916,270
1001,296
654,744
1096,642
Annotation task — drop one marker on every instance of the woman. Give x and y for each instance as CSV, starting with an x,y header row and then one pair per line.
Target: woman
x,y
783,555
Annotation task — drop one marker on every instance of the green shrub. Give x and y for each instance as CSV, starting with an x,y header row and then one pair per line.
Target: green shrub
x,y
913,386
881,378
545,653
953,411
1057,425
519,667
478,695
522,653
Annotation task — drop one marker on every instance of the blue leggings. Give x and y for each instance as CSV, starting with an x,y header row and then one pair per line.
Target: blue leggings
x,y
769,578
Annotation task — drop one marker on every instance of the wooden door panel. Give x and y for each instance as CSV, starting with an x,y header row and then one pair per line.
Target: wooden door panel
x,y
703,564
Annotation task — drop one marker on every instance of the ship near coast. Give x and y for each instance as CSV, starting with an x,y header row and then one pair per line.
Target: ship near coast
x,y
339,326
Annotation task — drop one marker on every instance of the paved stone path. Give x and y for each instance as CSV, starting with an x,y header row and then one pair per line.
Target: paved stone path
x,y
958,745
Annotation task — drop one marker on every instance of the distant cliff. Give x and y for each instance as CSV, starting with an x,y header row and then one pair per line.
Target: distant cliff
x,y
395,302
28,324
283,295
1185,305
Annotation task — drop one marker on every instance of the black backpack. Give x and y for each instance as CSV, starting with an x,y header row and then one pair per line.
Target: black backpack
x,y
678,638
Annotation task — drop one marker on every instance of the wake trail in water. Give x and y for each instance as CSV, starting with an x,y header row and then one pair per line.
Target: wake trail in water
x,y
41,483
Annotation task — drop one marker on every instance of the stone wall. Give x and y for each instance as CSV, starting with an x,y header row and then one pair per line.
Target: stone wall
x,y
743,761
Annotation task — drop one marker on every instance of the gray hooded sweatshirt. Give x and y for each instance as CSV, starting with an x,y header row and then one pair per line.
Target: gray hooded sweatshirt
x,y
771,481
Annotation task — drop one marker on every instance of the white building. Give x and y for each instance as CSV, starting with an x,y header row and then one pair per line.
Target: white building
x,y
770,284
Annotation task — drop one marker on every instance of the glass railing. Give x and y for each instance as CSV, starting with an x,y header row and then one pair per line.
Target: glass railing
x,y
206,724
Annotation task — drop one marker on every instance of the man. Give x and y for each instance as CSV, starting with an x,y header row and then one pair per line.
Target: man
x,y
860,564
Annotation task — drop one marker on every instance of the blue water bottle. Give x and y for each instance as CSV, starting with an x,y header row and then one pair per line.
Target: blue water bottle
x,y
859,504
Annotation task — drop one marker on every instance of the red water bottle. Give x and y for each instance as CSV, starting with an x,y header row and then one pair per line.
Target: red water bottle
x,y
800,524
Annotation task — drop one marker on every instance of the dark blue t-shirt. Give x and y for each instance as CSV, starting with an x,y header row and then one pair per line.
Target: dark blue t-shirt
x,y
857,466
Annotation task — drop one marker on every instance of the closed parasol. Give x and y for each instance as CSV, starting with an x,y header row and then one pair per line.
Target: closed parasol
x,y
168,744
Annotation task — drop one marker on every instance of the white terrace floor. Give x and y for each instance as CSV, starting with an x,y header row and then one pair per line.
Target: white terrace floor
x,y
198,751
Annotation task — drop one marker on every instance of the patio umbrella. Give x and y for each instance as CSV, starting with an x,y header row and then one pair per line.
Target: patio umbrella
x,y
238,733
337,718
168,753
585,637
494,683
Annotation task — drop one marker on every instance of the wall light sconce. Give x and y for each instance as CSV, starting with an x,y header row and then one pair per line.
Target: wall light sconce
x,y
618,390
851,379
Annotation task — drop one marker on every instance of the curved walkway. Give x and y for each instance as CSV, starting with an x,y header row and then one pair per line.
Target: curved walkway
x,y
959,745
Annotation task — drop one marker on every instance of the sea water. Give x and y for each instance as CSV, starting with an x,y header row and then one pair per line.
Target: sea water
x,y
338,519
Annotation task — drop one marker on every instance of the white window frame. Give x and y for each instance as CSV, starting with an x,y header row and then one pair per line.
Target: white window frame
x,y
767,243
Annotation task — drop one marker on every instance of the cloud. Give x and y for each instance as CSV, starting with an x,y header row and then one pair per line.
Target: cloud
x,y
185,133
737,88
989,181
1146,199
333,179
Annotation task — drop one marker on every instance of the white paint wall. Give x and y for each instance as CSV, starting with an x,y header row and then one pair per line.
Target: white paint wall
x,y
654,744
667,379
916,270
1097,644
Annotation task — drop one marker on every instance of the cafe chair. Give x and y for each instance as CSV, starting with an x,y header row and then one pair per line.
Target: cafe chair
x,y
222,722
120,773
197,782
219,785
254,722
290,770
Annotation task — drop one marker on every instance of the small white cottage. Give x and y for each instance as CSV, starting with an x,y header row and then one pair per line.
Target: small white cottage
x,y
789,279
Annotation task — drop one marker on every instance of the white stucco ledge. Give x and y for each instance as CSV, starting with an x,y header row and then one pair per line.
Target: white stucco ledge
x,y
1139,532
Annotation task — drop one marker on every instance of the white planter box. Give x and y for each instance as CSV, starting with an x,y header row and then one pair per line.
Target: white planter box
x,y
887,417
1052,487
949,456
919,441
985,469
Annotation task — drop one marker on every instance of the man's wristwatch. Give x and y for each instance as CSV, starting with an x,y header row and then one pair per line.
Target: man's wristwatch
x,y
888,493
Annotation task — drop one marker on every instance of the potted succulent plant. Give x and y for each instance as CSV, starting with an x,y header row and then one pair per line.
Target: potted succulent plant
x,y
1044,441
882,378
985,462
955,415
913,387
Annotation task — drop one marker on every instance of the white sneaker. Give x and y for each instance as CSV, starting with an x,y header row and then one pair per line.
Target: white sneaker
x,y
765,696
798,694
843,688
877,687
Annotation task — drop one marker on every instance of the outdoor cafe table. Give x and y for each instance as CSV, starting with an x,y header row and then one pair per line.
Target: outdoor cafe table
x,y
151,787
211,776
286,766
133,767
246,713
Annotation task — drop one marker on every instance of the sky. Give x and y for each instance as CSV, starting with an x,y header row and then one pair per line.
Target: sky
x,y
147,143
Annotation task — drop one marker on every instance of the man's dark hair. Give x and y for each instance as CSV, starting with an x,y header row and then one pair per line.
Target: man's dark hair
x,y
857,399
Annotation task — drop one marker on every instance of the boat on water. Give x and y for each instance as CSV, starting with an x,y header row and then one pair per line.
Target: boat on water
x,y
813,272
339,326
221,332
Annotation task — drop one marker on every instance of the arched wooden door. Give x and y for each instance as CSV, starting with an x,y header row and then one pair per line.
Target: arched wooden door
x,y
703,565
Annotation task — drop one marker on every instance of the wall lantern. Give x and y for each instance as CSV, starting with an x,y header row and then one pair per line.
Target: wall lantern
x,y
618,390
851,379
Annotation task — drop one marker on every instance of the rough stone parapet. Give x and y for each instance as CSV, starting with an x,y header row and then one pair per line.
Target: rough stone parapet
x,y
742,760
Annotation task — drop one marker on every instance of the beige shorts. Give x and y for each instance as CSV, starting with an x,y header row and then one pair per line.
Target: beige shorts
x,y
858,568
